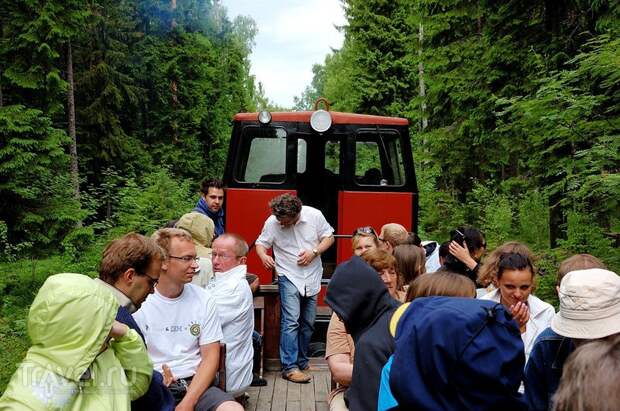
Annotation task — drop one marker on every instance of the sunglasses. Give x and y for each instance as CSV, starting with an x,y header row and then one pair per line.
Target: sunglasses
x,y
368,230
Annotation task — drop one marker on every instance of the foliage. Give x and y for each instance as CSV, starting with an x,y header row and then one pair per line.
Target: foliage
x,y
150,203
38,205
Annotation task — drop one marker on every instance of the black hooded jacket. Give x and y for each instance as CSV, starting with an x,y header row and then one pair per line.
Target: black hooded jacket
x,y
361,300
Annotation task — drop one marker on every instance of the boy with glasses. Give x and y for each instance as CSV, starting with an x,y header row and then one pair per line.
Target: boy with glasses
x,y
182,328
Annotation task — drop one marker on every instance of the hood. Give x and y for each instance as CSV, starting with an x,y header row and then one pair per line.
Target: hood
x,y
201,228
456,354
68,322
358,296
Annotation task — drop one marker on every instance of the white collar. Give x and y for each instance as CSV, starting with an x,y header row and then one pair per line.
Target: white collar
x,y
236,273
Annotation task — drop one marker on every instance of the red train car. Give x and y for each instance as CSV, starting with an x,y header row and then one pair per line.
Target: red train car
x,y
357,169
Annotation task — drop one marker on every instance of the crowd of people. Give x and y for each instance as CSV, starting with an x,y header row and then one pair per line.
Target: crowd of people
x,y
415,326
447,331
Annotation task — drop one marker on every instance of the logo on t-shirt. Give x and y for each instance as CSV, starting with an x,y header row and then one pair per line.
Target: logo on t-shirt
x,y
194,329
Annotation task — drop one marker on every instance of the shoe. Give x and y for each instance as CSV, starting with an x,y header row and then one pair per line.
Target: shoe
x,y
257,381
297,376
309,368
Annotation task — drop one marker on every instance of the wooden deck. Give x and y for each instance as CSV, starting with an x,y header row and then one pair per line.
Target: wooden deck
x,y
282,395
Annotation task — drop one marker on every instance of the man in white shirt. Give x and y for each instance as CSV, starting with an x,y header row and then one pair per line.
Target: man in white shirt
x,y
298,235
182,328
234,303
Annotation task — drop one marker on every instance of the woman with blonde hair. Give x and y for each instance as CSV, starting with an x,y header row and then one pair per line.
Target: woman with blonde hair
x,y
364,239
511,268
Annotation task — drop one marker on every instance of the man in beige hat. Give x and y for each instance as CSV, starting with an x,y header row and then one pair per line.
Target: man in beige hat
x,y
589,310
201,228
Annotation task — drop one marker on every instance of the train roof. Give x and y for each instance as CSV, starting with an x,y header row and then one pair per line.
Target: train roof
x,y
337,118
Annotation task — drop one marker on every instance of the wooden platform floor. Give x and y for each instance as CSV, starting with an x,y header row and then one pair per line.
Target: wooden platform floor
x,y
282,395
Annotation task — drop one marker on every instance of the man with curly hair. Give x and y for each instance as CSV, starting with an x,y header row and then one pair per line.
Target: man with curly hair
x,y
298,235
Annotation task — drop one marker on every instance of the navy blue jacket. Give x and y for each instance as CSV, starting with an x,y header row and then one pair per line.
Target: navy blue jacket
x,y
158,397
544,368
456,354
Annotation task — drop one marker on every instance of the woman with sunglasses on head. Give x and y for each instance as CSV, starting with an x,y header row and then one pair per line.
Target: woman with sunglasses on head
x,y
364,239
512,269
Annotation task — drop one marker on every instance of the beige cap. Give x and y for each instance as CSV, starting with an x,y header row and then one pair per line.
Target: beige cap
x,y
202,230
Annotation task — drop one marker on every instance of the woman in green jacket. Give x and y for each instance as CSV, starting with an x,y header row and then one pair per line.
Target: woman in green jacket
x,y
80,358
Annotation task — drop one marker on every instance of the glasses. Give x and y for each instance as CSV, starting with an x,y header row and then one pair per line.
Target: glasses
x,y
152,281
365,230
188,259
223,256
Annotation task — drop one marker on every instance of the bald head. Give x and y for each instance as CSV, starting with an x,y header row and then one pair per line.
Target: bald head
x,y
393,234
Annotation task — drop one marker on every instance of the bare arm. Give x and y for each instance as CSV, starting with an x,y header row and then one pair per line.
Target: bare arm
x,y
264,257
341,368
210,355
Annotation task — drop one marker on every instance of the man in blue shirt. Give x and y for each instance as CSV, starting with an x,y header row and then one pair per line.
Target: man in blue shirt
x,y
211,203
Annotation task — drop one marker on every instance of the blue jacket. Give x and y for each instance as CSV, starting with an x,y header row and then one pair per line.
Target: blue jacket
x,y
544,368
158,397
457,354
218,218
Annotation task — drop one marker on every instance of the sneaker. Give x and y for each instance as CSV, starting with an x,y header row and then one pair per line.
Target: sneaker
x,y
258,381
297,376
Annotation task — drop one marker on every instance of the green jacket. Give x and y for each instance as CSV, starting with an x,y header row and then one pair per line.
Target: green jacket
x,y
64,369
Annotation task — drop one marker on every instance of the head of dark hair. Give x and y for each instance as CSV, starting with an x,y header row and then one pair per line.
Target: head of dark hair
x,y
444,249
210,182
285,205
413,239
171,224
514,261
473,240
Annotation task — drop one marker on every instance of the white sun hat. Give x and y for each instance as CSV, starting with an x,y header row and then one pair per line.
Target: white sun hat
x,y
589,304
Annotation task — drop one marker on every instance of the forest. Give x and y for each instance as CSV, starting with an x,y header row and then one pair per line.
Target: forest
x,y
112,111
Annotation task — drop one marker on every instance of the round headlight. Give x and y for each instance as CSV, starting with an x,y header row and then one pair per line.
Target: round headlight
x,y
320,121
264,117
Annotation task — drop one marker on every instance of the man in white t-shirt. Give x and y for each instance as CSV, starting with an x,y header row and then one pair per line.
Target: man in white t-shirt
x,y
235,307
298,235
182,328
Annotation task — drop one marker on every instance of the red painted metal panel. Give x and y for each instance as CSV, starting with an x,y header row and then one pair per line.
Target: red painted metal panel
x,y
246,212
337,118
365,208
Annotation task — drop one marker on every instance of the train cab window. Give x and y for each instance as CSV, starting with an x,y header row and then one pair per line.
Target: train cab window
x,y
332,157
302,150
379,159
263,156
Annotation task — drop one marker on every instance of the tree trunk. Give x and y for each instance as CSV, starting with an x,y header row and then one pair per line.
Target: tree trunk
x,y
75,175
173,83
424,123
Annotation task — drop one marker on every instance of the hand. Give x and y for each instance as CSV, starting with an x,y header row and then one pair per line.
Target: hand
x,y
268,262
305,257
521,314
462,254
168,376
118,330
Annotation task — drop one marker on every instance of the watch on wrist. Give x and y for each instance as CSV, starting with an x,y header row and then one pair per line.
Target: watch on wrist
x,y
315,251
